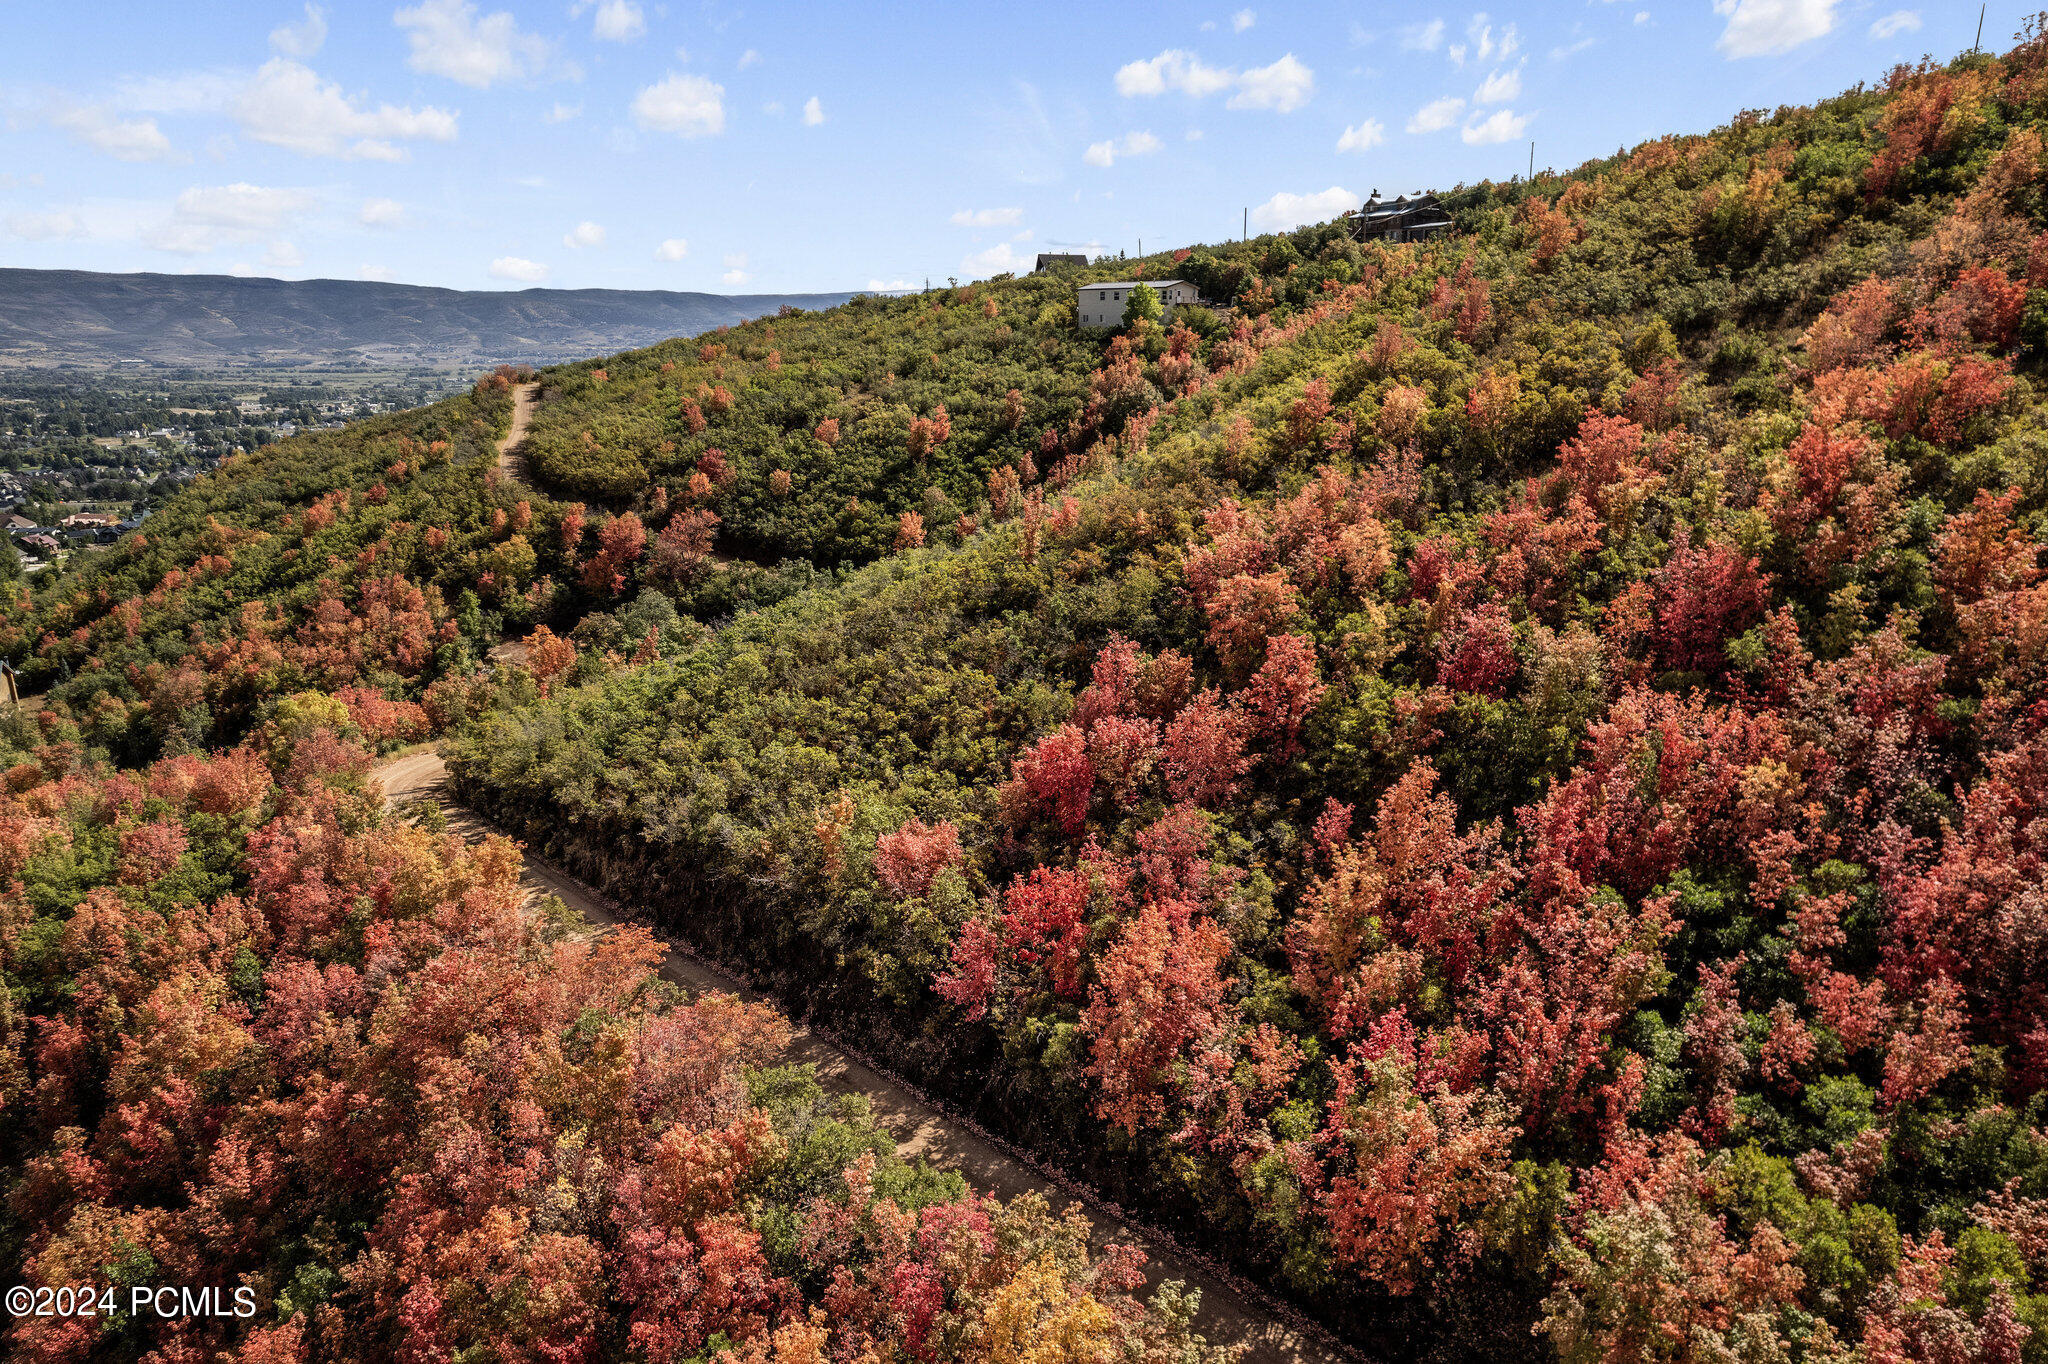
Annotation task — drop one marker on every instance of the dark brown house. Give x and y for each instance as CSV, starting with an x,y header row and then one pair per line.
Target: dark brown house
x,y
1409,218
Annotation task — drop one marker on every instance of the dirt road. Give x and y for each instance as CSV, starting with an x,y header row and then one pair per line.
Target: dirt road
x,y
1232,1311
510,461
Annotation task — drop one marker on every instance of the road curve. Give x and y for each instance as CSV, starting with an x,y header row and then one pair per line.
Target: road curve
x,y
1232,1312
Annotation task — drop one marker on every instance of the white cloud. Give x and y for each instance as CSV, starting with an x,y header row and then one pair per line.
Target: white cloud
x,y
1282,87
1423,37
304,38
1000,259
688,106
449,38
1437,115
243,206
735,269
562,113
283,255
1483,44
1562,51
1284,211
207,216
124,139
1764,28
44,227
585,233
1642,17
1105,154
814,112
619,21
1172,69
381,274
675,248
289,106
518,268
1242,20
1500,87
884,285
1362,136
988,217
1503,125
1895,23
381,213
748,58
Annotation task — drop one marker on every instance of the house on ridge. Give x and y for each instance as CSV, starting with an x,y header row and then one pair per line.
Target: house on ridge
x,y
1102,304
1409,218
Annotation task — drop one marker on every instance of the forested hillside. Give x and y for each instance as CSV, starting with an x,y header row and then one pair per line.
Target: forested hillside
x,y
1498,781
262,1036
366,561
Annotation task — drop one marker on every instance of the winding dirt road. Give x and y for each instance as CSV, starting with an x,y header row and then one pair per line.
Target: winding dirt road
x,y
1232,1311
513,464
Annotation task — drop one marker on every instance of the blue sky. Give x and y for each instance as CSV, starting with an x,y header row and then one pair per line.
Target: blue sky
x,y
761,148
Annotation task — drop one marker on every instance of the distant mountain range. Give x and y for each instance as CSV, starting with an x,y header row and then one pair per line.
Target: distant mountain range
x,y
55,316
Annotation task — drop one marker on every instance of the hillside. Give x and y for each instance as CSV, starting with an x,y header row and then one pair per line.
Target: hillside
x,y
1497,785
55,316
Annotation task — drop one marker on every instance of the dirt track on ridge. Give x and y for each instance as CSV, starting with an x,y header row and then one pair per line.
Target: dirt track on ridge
x,y
510,461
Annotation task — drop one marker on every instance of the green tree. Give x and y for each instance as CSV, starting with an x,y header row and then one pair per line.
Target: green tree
x,y
1143,305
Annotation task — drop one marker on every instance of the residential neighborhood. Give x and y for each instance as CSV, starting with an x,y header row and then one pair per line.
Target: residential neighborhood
x,y
84,457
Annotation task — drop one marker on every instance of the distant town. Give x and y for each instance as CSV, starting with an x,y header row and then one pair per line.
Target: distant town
x,y
85,457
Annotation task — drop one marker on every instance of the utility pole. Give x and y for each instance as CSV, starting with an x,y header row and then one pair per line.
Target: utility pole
x,y
1532,163
1246,231
1141,246
1978,46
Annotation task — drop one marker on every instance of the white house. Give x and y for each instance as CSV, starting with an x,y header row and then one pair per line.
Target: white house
x,y
1102,305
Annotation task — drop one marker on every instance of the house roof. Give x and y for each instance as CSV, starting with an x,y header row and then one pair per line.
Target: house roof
x,y
1129,283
